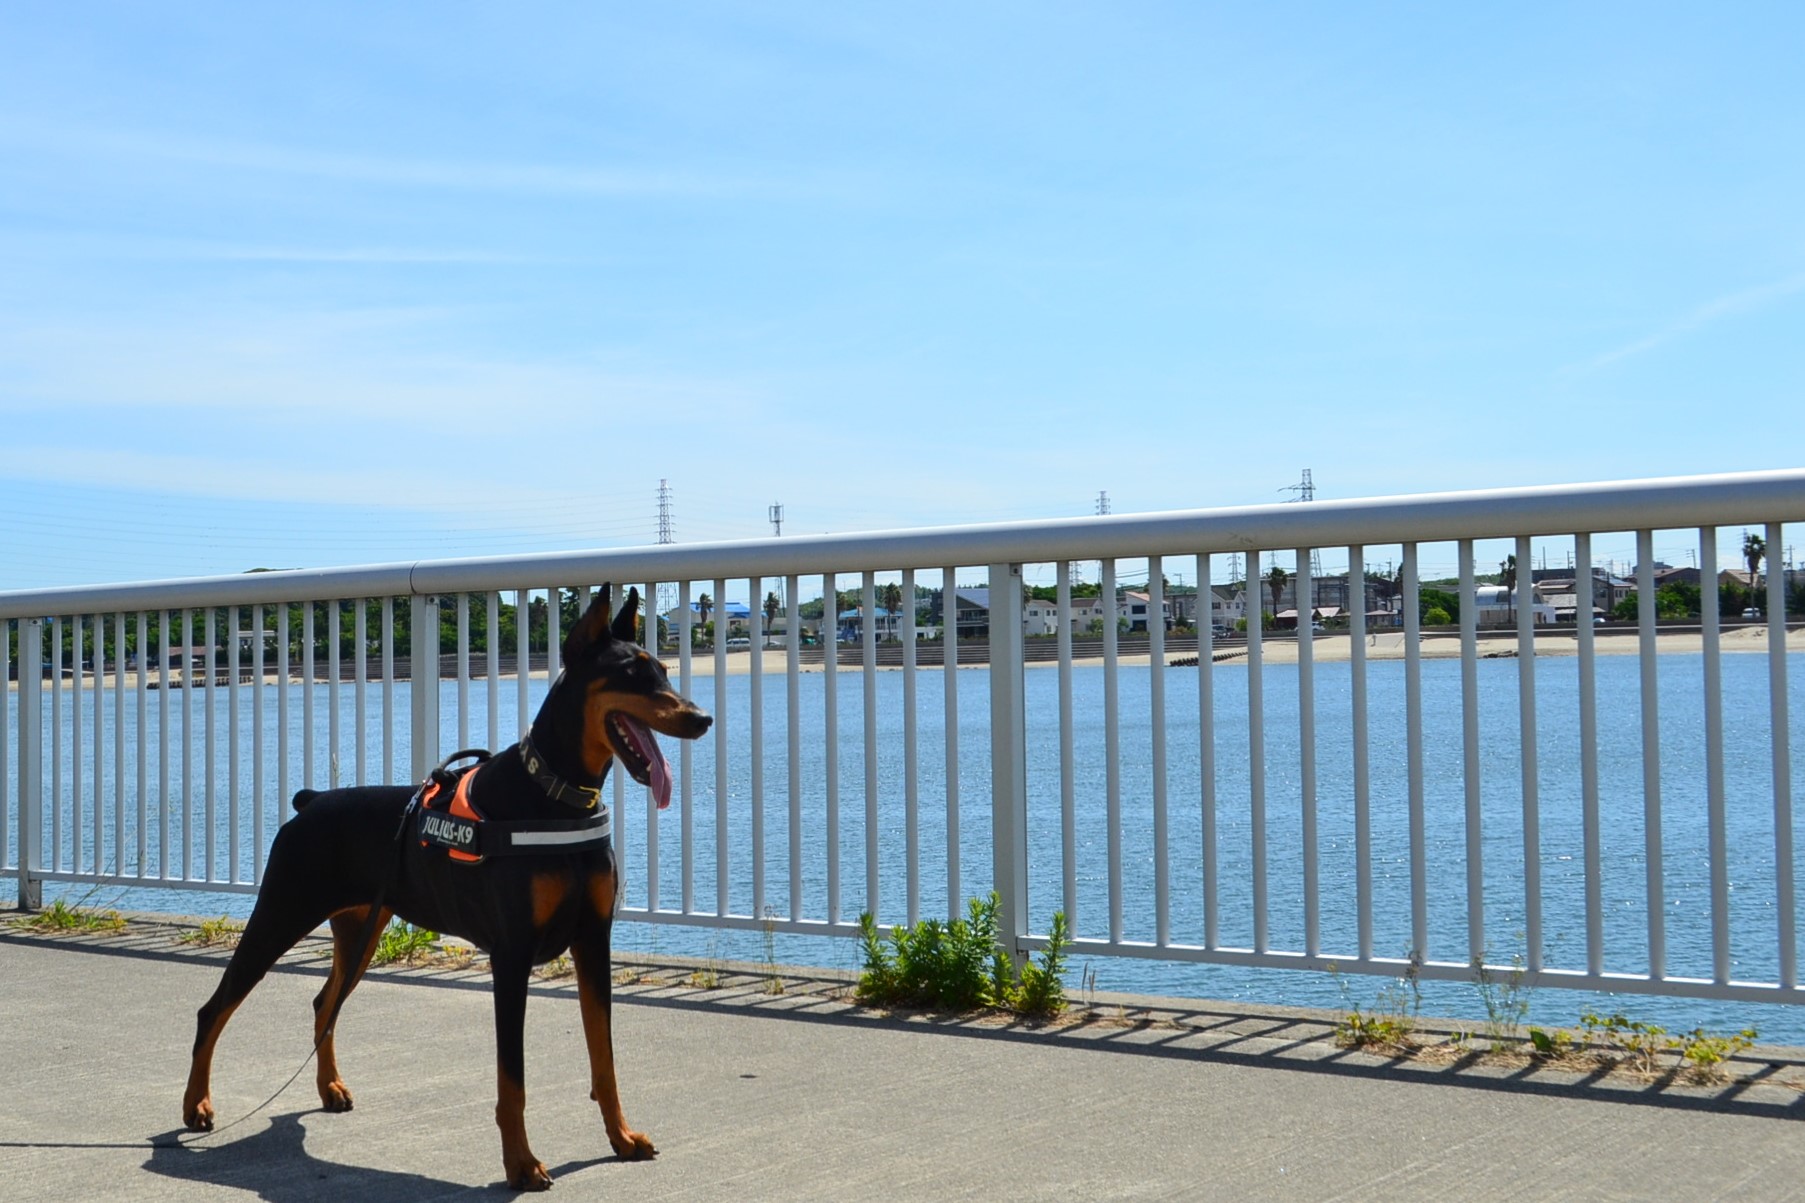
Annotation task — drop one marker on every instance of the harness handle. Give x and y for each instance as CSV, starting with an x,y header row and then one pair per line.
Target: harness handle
x,y
443,775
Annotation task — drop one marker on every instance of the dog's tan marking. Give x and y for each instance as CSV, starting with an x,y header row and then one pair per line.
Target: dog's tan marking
x,y
549,891
603,1088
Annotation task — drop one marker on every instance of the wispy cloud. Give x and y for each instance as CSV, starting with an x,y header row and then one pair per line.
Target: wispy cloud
x,y
568,179
1733,305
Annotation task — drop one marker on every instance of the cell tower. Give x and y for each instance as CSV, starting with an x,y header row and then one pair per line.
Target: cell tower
x,y
775,513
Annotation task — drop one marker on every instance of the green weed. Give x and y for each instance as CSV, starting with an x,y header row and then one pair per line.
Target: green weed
x,y
403,943
1506,1001
61,918
1705,1052
959,966
1390,1026
222,932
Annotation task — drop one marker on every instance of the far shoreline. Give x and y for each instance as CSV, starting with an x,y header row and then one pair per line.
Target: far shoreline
x,y
1330,648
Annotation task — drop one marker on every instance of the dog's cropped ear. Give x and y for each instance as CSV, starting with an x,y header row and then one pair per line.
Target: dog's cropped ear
x,y
593,625
624,622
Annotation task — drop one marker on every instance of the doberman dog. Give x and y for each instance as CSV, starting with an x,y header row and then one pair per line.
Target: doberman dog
x,y
349,852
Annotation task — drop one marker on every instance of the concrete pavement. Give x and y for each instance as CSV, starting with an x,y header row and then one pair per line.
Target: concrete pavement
x,y
800,1096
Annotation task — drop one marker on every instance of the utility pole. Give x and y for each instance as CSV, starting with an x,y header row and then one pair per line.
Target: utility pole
x,y
775,514
1103,503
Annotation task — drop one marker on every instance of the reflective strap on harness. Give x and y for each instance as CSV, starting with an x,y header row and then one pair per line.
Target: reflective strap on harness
x,y
469,838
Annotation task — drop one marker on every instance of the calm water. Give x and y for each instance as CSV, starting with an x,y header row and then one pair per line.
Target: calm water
x,y
1686,901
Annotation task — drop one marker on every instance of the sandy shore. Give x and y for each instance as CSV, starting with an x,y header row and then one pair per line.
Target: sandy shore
x,y
1326,649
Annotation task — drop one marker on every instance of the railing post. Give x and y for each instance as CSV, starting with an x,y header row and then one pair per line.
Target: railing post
x,y
423,681
31,760
1008,758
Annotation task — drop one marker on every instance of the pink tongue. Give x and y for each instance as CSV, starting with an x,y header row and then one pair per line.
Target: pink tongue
x,y
658,772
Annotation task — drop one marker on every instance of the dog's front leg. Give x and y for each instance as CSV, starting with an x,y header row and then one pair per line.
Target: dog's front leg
x,y
511,972
595,989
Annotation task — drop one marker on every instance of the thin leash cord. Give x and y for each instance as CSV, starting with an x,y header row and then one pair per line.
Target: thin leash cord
x,y
369,932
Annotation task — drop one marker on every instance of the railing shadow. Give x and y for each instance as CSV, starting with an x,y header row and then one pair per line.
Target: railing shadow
x,y
1772,1084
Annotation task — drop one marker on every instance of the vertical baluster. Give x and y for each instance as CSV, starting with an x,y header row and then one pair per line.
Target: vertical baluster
x,y
360,670
492,662
165,620
1526,742
388,690
1470,763
284,675
868,649
307,691
830,669
1306,746
723,869
1206,743
258,617
1363,832
949,647
1256,748
911,773
335,624
1588,753
1651,755
1413,724
1785,903
1068,791
792,638
188,685
1156,691
77,743
143,717
1714,758
686,821
210,712
234,645
119,751
1112,746
755,718
463,663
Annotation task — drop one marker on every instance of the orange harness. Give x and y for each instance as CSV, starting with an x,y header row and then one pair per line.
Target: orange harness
x,y
469,837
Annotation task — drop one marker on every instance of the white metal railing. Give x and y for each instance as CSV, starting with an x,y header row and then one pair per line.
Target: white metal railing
x,y
1275,811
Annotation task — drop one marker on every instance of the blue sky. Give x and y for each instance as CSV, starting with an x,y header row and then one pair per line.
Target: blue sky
x,y
332,284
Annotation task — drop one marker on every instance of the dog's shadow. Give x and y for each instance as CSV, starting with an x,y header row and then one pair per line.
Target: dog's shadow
x,y
275,1165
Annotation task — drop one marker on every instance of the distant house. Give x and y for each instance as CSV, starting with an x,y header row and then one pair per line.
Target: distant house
x,y
851,625
736,615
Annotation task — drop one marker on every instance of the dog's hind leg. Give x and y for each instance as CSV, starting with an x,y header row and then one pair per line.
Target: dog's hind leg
x,y
351,953
595,994
266,937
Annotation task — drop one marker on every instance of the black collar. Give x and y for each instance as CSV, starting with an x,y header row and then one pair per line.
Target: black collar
x,y
582,797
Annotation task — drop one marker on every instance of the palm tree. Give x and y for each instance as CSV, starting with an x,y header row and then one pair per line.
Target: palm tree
x,y
772,606
703,605
1754,548
890,598
1507,576
1276,580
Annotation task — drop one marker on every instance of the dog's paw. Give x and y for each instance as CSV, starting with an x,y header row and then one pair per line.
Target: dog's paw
x,y
529,1175
633,1146
198,1115
335,1095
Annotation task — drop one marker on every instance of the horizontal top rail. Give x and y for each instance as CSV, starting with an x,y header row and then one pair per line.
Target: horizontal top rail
x,y
1684,501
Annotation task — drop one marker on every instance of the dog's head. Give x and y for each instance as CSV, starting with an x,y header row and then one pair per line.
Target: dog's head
x,y
613,694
